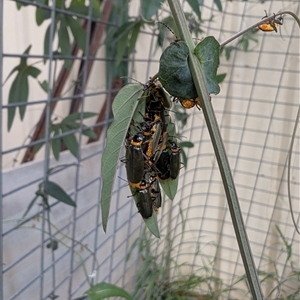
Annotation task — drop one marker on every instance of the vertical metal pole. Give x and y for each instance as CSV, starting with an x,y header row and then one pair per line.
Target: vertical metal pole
x,y
47,146
1,68
86,62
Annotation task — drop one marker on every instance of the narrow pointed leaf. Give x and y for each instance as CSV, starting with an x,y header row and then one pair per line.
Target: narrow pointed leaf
x,y
32,71
184,158
208,53
70,141
41,15
55,191
64,41
134,35
122,49
77,31
149,8
82,298
44,85
78,7
194,4
18,93
47,41
218,4
151,223
77,116
221,77
170,187
56,142
186,144
124,107
120,33
105,290
90,133
17,68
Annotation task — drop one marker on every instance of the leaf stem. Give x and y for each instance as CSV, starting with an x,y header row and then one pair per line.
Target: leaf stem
x,y
217,142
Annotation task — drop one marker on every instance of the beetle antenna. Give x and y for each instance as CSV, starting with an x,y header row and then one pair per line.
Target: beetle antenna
x,y
159,22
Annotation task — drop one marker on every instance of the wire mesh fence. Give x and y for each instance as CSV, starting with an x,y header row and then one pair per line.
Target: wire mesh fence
x,y
56,250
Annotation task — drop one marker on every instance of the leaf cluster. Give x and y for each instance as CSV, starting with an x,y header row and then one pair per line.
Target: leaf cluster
x,y
59,133
67,26
126,35
19,89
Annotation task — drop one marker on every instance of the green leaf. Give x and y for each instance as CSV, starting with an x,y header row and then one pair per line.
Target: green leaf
x,y
47,41
228,50
170,187
23,97
134,35
120,33
70,141
184,158
53,244
54,190
19,5
124,107
105,290
77,31
218,4
244,41
60,4
78,7
208,53
56,142
90,133
18,93
42,14
71,125
221,77
53,296
123,37
32,71
19,89
183,145
186,144
82,298
44,85
121,49
149,8
288,247
64,41
40,145
77,116
151,222
194,4
96,9
174,71
152,225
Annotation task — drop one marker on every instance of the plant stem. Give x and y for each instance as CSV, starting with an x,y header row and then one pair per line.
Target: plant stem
x,y
217,142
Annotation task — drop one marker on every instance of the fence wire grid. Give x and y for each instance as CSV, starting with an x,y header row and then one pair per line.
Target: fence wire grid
x,y
256,111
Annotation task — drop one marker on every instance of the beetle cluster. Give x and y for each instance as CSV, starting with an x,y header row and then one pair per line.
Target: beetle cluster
x,y
152,153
